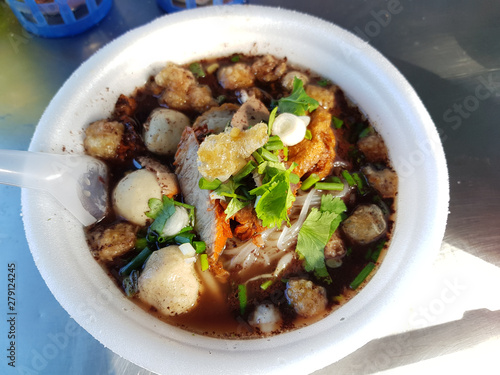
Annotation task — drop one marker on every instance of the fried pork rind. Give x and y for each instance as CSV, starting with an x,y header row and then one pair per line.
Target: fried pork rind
x,y
315,155
236,76
103,139
182,91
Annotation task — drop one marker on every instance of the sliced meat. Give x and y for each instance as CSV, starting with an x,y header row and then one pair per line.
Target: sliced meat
x,y
373,147
252,112
385,181
315,155
211,223
215,119
166,179
366,224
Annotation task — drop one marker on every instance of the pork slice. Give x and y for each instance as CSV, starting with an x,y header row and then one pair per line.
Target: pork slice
x,y
210,223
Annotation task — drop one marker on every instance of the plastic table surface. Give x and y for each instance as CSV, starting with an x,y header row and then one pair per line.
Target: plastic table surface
x,y
448,50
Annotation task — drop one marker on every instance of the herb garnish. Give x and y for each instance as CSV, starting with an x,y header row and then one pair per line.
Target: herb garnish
x,y
316,231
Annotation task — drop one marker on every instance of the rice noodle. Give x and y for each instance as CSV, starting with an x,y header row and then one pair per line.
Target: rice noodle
x,y
245,254
288,234
282,264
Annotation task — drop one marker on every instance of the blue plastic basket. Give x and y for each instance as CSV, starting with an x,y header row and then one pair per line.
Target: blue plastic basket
x,y
59,18
170,6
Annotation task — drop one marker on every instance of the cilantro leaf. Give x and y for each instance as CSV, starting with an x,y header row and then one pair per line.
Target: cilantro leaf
x,y
316,231
234,206
160,211
275,194
298,102
312,239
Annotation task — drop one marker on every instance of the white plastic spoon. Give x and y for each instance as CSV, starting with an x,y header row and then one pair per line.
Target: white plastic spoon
x,y
78,182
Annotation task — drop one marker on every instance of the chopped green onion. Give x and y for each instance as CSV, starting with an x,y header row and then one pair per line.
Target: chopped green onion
x,y
309,181
337,123
294,179
184,238
209,185
362,275
199,246
242,297
270,123
130,284
335,179
329,186
235,58
348,178
266,284
359,182
376,253
308,135
141,243
204,262
269,156
285,153
274,143
323,82
221,99
245,171
197,69
212,68
365,132
136,262
257,157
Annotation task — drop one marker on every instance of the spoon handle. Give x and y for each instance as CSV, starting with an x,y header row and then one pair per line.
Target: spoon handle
x,y
26,169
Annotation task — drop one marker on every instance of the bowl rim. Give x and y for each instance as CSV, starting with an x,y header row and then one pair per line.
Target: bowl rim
x,y
303,350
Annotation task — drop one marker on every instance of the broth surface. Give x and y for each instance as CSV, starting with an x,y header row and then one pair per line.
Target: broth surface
x,y
220,309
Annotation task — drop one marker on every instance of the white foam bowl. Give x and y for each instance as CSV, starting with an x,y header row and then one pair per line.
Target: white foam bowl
x,y
57,240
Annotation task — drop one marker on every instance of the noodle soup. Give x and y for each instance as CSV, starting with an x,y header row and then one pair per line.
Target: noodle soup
x,y
250,196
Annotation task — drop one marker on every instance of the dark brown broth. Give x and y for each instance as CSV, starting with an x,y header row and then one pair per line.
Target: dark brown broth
x,y
222,319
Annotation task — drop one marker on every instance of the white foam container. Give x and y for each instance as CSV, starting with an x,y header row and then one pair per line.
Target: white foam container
x,y
57,240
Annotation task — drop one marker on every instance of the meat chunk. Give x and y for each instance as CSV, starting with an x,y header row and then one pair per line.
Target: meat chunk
x,y
110,242
200,98
169,283
237,76
166,179
182,91
252,112
125,108
366,224
269,68
287,79
373,147
315,155
103,139
215,119
385,181
307,299
162,130
335,247
324,96
210,223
